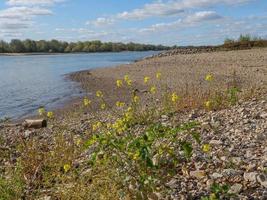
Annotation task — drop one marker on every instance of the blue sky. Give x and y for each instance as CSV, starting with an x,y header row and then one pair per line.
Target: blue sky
x,y
168,22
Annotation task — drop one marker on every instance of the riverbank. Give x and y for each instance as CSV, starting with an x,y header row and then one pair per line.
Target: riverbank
x,y
188,151
184,73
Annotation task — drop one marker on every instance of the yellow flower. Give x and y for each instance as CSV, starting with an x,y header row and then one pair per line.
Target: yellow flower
x,y
78,141
174,97
103,106
206,148
41,111
119,125
108,125
126,78
86,101
209,78
50,115
153,90
66,168
119,83
129,82
120,104
146,79
99,94
96,126
136,155
213,197
208,104
158,75
136,99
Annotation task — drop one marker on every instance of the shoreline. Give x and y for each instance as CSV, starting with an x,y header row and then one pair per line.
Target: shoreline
x,y
183,73
104,79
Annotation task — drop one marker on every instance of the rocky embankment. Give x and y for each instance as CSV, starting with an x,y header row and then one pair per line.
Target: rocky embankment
x,y
238,154
198,50
186,50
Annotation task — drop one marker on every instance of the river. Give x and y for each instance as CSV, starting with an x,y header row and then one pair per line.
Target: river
x,y
28,82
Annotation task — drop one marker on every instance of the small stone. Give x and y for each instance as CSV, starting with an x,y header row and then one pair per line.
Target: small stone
x,y
223,158
240,110
153,196
237,160
216,142
262,179
235,189
209,183
230,172
263,115
172,183
216,175
192,115
198,174
165,117
251,177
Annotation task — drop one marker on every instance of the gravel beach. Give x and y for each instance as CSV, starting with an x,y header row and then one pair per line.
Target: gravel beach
x,y
237,135
185,73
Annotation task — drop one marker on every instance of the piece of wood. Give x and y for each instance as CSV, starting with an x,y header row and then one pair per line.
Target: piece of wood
x,y
35,123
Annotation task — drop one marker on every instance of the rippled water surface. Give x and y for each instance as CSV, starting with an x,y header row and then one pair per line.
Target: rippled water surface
x,y
28,82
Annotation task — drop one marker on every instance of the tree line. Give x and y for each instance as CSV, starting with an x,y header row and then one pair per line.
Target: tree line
x,y
55,46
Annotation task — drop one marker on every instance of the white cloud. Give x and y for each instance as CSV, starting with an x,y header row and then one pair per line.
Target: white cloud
x,y
164,9
150,10
189,21
23,13
32,2
202,16
101,21
172,8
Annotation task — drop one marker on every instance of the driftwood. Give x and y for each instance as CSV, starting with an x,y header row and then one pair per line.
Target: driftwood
x,y
35,123
28,123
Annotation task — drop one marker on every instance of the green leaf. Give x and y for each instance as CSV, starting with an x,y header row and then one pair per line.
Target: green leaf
x,y
187,148
196,137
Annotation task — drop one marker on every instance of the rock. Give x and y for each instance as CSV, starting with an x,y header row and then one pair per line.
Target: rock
x,y
235,189
263,115
223,158
262,179
172,183
237,160
216,142
216,175
153,196
198,174
231,172
251,176
209,183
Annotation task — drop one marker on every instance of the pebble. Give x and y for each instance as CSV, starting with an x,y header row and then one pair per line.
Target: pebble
x,y
235,189
251,176
216,142
198,174
262,179
216,175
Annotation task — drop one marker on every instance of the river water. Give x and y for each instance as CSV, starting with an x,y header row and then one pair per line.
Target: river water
x,y
28,82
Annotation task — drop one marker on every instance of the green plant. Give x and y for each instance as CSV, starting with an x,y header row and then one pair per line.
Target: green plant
x,y
12,187
233,95
141,159
218,192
